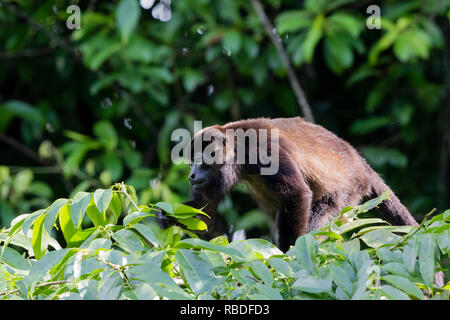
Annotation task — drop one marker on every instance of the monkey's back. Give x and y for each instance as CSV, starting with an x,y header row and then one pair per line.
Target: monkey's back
x,y
329,163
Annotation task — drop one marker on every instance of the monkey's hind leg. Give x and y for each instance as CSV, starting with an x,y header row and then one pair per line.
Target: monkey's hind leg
x,y
322,211
293,215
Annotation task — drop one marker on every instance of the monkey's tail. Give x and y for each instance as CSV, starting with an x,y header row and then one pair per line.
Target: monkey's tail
x,y
392,210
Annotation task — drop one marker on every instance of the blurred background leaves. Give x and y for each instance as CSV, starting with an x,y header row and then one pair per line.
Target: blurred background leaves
x,y
81,109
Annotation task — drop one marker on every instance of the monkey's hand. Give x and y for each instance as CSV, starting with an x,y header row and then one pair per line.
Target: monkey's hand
x,y
165,221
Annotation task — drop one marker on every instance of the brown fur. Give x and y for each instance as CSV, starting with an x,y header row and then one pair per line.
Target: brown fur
x,y
319,175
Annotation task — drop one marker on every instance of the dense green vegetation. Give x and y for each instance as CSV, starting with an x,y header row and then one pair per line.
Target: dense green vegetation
x,y
81,109
360,259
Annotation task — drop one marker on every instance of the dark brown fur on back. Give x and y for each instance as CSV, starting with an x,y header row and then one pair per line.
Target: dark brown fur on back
x,y
319,174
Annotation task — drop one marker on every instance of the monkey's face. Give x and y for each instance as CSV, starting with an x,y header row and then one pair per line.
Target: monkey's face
x,y
206,179
211,173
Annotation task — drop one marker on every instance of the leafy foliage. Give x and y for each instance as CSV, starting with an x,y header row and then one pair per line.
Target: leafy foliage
x,y
363,258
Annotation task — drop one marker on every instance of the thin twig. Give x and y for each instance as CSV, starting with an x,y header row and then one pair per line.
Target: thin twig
x,y
123,188
118,269
25,53
22,148
299,93
44,284
408,236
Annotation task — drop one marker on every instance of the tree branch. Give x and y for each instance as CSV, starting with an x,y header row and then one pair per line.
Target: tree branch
x,y
299,93
25,53
44,284
22,148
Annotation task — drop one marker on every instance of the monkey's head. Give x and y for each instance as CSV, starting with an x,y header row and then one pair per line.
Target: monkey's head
x,y
212,171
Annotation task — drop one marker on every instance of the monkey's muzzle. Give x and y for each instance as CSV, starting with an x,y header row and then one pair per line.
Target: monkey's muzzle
x,y
199,184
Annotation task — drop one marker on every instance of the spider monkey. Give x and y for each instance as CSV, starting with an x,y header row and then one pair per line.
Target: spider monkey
x,y
318,175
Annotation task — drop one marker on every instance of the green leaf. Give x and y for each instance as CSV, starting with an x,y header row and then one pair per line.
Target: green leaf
x,y
251,219
426,259
29,220
167,207
16,224
232,41
348,22
265,292
255,249
106,133
95,61
397,269
313,37
382,156
102,199
393,293
20,109
364,126
40,189
13,259
127,18
341,277
79,205
67,227
115,208
377,238
80,236
372,203
404,284
160,281
42,267
261,270
196,270
409,256
292,20
411,44
112,165
194,224
135,217
358,223
399,229
192,79
202,244
281,266
329,234
159,73
308,283
40,237
22,180
95,215
128,240
52,212
183,211
338,53
147,233
305,250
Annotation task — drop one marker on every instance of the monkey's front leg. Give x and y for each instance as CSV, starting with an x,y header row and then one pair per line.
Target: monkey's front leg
x,y
293,215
